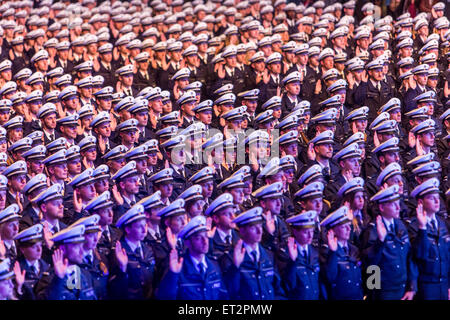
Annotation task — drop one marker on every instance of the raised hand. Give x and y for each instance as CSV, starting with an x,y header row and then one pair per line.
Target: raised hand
x,y
270,221
292,247
421,217
116,195
60,263
77,202
419,148
121,256
47,235
411,139
318,87
2,249
175,263
409,295
19,203
171,238
266,76
348,174
238,253
310,152
381,229
332,240
20,276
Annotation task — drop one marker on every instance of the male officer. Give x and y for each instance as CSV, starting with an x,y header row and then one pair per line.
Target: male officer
x,y
250,272
275,231
385,243
30,243
103,207
322,145
428,235
30,213
194,276
9,228
67,281
127,181
134,266
93,262
340,262
221,210
299,261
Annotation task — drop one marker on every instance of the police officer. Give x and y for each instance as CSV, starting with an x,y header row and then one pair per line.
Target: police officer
x,y
194,276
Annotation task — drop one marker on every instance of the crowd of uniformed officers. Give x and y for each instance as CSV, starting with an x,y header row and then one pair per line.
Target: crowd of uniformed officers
x,y
223,149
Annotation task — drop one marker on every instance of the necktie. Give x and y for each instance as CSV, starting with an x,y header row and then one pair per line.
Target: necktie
x,y
132,202
228,239
89,258
201,269
52,136
138,252
391,228
34,270
106,234
305,254
54,229
433,225
108,68
345,249
254,256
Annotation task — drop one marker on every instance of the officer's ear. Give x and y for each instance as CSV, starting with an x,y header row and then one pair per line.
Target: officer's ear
x,y
420,201
316,148
342,164
215,218
121,185
43,207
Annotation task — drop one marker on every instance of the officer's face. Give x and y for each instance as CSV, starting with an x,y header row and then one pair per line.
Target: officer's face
x,y
291,149
363,43
9,229
74,166
267,50
324,150
303,235
406,52
352,164
390,210
398,180
152,159
328,63
275,67
157,105
130,185
137,230
431,203
87,192
315,204
207,189
293,88
358,201
251,234
73,103
196,208
42,65
175,55
36,166
90,241
6,289
106,216
238,195
101,185
289,174
396,115
141,165
259,66
69,131
198,243
224,219
177,223
277,113
178,156
107,57
105,104
272,204
390,157
59,171
7,75
128,137
142,118
376,74
15,134
73,252
104,129
18,182
421,78
50,121
33,252
205,117
86,92
166,189
90,154
54,209
342,232
231,61
187,108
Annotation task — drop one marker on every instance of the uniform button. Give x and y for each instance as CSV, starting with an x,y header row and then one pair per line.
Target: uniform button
x,y
256,293
204,289
349,281
398,266
259,277
307,287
